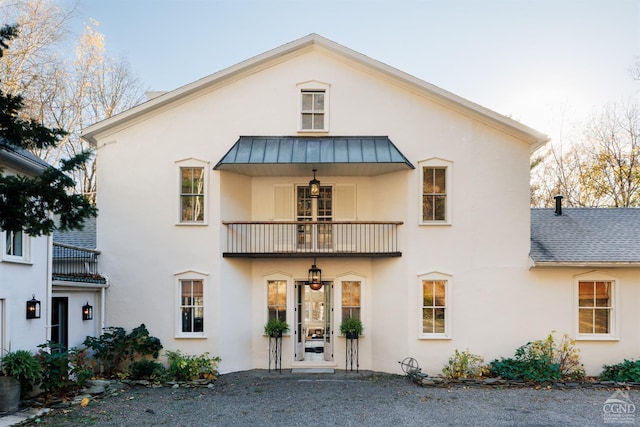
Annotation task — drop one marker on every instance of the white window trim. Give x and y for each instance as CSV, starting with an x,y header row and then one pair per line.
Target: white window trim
x,y
436,162
192,163
178,278
313,86
337,301
290,303
25,258
615,316
435,275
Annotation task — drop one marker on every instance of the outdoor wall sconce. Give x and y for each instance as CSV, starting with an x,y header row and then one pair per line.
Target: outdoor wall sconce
x,y
315,277
33,308
314,186
87,311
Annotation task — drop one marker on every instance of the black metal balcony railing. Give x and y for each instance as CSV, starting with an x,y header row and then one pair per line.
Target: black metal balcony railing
x,y
75,264
262,239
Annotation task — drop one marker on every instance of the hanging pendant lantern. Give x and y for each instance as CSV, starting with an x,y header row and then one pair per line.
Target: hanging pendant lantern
x,y
315,277
314,186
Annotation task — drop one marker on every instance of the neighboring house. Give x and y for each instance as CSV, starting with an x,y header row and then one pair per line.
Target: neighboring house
x,y
24,269
78,297
418,220
61,277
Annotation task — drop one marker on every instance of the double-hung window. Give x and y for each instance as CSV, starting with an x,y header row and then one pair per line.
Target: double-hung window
x,y
435,306
436,192
596,316
277,299
191,291
15,246
192,195
313,110
192,306
192,191
351,299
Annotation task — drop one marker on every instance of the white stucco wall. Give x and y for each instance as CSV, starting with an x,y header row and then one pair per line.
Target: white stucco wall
x,y
496,302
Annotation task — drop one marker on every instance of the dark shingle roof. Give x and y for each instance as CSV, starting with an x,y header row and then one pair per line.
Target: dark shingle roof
x,y
585,236
85,238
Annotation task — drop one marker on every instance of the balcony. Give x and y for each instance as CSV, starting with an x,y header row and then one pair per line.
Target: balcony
x,y
303,239
75,264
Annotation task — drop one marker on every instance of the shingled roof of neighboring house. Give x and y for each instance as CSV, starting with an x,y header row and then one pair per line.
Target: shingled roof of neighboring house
x,y
593,237
85,238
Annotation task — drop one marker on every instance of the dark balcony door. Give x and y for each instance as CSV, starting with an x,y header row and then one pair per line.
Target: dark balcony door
x,y
60,321
314,237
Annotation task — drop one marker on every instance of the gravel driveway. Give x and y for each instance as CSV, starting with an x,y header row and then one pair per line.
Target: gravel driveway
x,y
260,398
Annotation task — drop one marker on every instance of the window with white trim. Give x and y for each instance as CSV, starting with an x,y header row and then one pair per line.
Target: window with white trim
x,y
436,192
596,316
435,306
193,180
351,299
15,246
277,299
190,314
313,110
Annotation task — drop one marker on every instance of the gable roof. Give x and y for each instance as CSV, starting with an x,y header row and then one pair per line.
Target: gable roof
x,y
585,237
339,155
314,41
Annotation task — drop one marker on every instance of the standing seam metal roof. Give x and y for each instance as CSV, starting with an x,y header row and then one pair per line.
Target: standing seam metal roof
x,y
294,150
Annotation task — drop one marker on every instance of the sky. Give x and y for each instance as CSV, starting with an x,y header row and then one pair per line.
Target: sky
x,y
547,63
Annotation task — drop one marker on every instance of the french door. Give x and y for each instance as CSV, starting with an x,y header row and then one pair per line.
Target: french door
x,y
313,331
314,237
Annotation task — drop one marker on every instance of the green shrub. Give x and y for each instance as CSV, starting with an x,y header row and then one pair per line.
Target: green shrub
x,y
23,366
56,367
116,350
146,369
464,365
185,367
627,371
542,360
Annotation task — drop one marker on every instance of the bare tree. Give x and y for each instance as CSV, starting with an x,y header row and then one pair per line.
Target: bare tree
x,y
602,169
65,91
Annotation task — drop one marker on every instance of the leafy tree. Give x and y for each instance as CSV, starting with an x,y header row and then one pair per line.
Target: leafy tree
x,y
27,203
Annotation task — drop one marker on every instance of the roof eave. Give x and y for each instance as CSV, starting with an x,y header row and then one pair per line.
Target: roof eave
x,y
21,163
534,138
583,264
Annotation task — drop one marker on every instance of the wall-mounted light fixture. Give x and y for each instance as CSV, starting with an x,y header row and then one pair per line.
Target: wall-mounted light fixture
x,y
87,311
315,277
314,186
33,308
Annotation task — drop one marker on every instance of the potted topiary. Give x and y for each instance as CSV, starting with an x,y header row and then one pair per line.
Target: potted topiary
x,y
275,328
20,371
351,328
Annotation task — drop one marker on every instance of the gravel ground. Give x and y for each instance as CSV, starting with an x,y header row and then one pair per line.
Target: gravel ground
x,y
260,398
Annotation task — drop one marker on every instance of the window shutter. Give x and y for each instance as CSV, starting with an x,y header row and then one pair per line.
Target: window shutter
x,y
345,202
283,202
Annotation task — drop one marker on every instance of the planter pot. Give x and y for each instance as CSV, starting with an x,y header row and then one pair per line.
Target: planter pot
x,y
9,394
276,334
352,335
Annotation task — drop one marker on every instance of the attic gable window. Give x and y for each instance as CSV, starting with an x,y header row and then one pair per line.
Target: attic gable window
x,y
313,113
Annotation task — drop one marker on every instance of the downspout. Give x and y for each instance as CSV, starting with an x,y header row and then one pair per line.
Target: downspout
x,y
49,292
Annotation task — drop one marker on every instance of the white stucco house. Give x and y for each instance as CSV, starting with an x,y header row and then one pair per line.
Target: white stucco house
x,y
25,266
49,290
420,223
